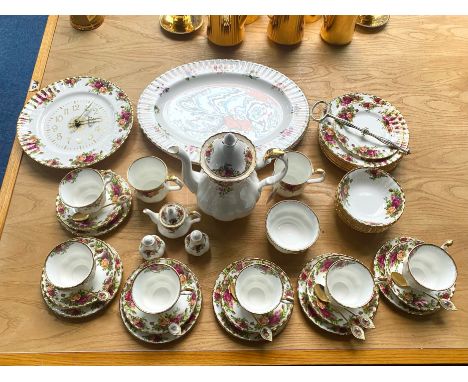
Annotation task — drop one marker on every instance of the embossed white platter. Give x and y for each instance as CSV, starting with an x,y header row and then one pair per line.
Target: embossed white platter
x,y
190,103
75,122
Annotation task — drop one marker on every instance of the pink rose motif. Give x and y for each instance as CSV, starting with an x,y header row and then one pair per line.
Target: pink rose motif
x,y
325,312
178,268
217,296
326,264
275,318
396,201
346,100
381,261
227,297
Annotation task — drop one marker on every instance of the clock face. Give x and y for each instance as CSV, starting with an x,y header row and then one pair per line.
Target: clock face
x,y
78,123
75,122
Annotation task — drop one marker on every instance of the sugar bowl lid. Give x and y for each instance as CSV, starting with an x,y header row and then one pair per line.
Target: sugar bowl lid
x,y
228,157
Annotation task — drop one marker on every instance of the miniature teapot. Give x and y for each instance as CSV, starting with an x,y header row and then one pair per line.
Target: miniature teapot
x,y
173,219
227,186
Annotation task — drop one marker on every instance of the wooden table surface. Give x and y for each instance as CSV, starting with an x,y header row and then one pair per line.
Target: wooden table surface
x,y
417,63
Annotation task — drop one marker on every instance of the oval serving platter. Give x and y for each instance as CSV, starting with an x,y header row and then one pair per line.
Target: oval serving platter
x,y
190,103
75,122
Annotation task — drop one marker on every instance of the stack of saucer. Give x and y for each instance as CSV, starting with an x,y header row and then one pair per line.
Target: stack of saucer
x,y
389,267
253,299
106,219
348,304
369,200
348,148
161,301
81,277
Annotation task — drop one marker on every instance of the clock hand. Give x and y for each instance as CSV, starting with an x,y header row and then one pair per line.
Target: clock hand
x,y
77,120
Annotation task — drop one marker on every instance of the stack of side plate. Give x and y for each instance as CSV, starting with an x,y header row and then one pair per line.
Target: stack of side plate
x,y
347,148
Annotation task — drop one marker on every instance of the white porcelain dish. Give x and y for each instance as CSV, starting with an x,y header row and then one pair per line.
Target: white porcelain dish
x,y
188,104
371,197
292,226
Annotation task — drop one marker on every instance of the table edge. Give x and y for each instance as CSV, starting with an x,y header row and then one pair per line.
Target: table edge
x,y
14,160
250,357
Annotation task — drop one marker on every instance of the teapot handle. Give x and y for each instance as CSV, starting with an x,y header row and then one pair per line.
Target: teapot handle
x,y
275,178
195,216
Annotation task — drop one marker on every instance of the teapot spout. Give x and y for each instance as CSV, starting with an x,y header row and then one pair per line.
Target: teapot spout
x,y
191,178
152,215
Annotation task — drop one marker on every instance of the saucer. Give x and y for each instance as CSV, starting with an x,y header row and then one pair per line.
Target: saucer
x,y
104,220
218,292
164,336
411,297
96,289
243,319
380,272
373,113
324,315
328,312
89,310
158,323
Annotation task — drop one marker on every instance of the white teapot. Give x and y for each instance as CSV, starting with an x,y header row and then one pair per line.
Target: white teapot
x,y
227,187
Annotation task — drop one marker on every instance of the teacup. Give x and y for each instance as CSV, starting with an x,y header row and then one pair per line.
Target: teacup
x,y
157,288
149,177
429,268
259,290
70,265
349,284
84,189
299,174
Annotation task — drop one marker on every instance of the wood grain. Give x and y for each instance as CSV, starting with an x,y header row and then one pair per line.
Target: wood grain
x,y
417,63
14,160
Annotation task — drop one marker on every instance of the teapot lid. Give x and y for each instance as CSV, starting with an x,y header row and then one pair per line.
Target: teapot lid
x,y
172,214
228,157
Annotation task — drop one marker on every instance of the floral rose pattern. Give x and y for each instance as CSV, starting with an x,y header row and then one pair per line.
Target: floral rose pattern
x,y
31,143
86,159
394,203
100,86
344,189
124,117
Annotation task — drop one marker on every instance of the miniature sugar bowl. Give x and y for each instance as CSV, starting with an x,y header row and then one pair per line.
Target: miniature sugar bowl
x,y
197,243
152,247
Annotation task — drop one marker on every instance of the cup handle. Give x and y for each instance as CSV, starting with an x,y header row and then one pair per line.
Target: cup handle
x,y
178,183
107,175
175,329
320,178
288,299
197,217
447,244
266,333
187,290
